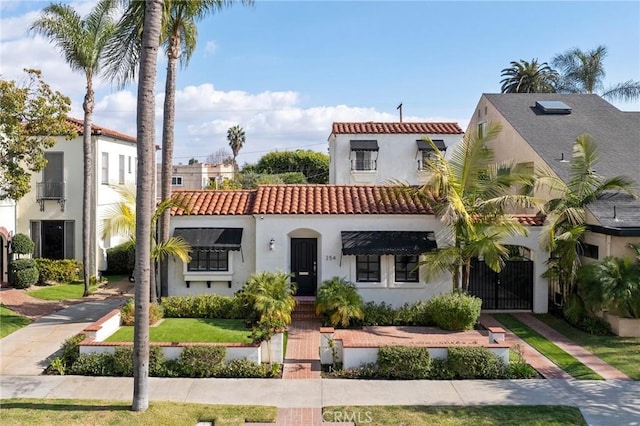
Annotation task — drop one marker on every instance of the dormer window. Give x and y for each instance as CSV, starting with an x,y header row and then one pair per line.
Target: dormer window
x,y
426,152
364,155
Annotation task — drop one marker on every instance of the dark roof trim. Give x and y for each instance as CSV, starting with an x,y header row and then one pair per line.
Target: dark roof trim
x,y
617,232
425,146
387,242
369,145
216,238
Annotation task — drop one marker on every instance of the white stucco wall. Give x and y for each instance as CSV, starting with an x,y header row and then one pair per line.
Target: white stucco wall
x,y
7,229
397,158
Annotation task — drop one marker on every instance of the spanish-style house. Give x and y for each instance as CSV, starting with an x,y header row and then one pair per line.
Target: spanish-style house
x,y
196,176
51,213
382,152
372,235
539,130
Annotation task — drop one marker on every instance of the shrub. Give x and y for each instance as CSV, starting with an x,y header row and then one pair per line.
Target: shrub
x,y
378,314
404,362
122,361
574,310
203,306
127,313
440,370
366,371
24,273
518,368
201,361
60,271
270,296
475,363
339,302
70,349
22,244
242,368
594,325
56,367
121,258
415,314
93,364
455,311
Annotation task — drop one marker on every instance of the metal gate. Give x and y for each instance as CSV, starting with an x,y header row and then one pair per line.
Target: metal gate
x,y
512,288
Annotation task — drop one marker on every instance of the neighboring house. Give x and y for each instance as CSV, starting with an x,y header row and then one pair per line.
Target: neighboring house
x,y
51,213
371,235
196,176
7,230
379,153
540,129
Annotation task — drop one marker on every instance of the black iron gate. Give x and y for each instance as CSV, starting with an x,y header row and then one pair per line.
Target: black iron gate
x,y
512,288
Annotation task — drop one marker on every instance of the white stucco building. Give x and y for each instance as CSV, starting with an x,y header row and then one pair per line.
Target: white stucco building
x,y
7,230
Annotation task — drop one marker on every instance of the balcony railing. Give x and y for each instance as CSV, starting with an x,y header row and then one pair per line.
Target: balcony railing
x,y
51,191
363,165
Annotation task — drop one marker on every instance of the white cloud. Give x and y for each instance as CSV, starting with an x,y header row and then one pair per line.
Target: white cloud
x,y
210,48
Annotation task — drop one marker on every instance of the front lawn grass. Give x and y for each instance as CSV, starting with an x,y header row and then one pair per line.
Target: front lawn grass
x,y
621,352
60,291
83,412
191,330
10,321
547,348
480,415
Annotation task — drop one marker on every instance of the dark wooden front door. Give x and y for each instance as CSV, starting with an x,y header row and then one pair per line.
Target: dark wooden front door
x,y
304,261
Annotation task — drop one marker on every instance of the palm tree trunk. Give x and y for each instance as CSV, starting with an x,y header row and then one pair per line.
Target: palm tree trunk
x,y
144,199
167,157
87,186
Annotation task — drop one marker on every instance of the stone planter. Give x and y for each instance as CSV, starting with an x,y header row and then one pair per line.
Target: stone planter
x,y
623,327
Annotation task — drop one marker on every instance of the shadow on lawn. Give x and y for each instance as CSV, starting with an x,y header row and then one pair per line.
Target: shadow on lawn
x,y
59,406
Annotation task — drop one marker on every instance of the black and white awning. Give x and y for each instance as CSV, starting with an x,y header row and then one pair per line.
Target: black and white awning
x,y
387,242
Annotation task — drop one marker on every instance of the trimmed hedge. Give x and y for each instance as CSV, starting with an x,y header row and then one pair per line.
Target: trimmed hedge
x,y
204,306
22,244
404,362
24,273
59,271
455,311
475,363
201,361
383,314
121,259
127,313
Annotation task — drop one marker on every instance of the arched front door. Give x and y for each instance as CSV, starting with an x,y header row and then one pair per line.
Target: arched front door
x,y
304,264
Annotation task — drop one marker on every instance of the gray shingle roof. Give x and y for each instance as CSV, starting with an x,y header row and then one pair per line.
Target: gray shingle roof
x,y
616,132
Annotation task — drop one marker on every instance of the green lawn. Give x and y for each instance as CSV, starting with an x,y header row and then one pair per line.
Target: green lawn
x,y
562,359
60,291
10,321
191,330
80,412
472,416
621,352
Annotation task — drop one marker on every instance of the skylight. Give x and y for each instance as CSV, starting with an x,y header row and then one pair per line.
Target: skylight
x,y
553,107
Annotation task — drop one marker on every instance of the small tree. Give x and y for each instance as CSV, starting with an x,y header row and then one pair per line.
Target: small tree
x,y
22,244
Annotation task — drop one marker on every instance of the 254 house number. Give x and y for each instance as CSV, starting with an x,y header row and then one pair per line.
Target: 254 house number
x,y
330,257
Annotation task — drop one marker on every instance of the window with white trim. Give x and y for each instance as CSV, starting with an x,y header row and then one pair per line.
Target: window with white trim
x,y
368,268
206,259
176,180
121,169
406,268
105,168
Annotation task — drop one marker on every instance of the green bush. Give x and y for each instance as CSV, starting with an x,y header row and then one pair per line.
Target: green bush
x,y
24,273
378,314
70,349
594,325
22,244
366,371
93,364
122,361
269,296
339,302
455,311
242,368
59,271
440,370
203,306
384,314
201,361
121,259
127,313
404,362
475,363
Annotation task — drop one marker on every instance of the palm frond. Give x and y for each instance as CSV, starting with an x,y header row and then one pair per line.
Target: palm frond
x,y
175,247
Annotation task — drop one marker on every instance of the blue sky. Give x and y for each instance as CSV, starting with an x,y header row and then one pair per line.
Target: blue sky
x,y
285,70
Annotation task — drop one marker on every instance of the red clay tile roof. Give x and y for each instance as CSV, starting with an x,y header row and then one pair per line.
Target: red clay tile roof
x,y
404,127
530,219
300,199
97,130
210,202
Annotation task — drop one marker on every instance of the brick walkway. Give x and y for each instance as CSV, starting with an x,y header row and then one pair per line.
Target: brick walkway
x,y
302,360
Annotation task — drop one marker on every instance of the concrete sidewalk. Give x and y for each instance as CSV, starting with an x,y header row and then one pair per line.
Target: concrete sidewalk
x,y
601,402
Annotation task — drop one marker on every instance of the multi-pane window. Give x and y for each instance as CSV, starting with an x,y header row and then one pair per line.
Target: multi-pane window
x,y
364,161
203,259
368,268
406,268
105,168
590,250
121,169
176,180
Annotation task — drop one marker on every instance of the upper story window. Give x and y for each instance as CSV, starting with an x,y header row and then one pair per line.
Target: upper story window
x,y
105,168
482,129
364,155
176,180
590,250
121,169
426,152
130,169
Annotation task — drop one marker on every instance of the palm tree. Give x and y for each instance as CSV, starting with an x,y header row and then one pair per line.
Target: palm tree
x,y
82,41
236,138
469,193
582,72
529,77
564,228
144,200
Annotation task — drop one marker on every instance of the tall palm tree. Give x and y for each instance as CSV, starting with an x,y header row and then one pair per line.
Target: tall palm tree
x,y
470,194
529,77
236,138
564,228
582,72
146,145
82,41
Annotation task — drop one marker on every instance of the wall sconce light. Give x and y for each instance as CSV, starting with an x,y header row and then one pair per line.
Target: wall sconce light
x,y
272,244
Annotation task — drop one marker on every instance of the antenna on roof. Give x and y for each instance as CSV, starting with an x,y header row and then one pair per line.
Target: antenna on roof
x,y
400,108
